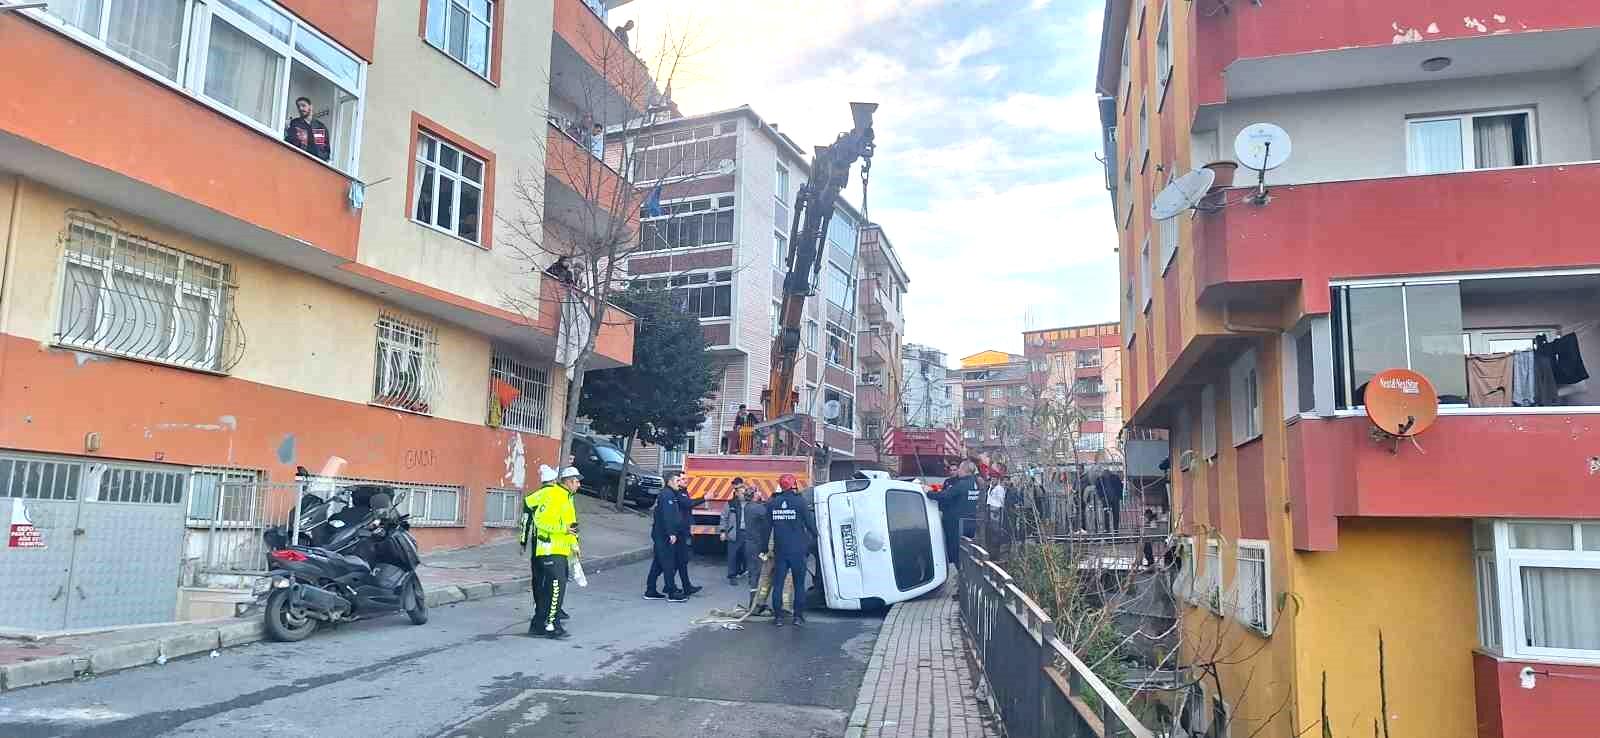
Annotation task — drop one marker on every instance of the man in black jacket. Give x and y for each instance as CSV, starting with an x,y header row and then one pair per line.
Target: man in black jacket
x,y
307,133
957,500
794,532
666,530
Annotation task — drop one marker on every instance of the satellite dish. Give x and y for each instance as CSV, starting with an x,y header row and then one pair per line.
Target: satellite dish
x,y
725,166
1262,146
1182,193
1401,402
830,410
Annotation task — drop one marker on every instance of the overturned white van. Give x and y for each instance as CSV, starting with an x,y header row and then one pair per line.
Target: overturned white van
x,y
881,541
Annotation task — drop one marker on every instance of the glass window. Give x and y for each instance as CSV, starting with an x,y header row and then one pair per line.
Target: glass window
x,y
847,411
838,286
243,73
688,223
463,29
1144,274
1208,421
608,454
1559,606
910,543
1546,536
519,394
1305,365
1475,141
1407,326
841,346
447,191
780,251
407,365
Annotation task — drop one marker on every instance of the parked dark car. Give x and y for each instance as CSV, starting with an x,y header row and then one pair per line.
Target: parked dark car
x,y
601,463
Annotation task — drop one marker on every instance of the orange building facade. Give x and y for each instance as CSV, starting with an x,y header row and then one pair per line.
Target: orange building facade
x,y
196,296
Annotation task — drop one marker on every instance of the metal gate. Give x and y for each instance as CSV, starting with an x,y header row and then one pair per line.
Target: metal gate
x,y
238,510
89,544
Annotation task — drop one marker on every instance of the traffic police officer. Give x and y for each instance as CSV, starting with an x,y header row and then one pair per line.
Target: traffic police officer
x,y
525,533
794,532
555,526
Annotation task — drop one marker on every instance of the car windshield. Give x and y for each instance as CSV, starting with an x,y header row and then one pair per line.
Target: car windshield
x,y
608,454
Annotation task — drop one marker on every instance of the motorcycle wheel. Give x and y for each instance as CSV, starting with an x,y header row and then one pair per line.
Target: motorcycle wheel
x,y
281,624
416,603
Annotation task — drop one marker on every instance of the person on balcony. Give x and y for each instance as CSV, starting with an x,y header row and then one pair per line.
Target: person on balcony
x,y
745,422
307,133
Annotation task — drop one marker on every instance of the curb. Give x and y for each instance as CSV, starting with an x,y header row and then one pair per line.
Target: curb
x,y
227,635
856,726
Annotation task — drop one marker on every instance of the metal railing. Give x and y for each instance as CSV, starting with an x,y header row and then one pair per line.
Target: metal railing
x,y
1039,687
231,540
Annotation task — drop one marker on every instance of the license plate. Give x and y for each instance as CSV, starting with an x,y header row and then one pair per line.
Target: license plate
x,y
847,534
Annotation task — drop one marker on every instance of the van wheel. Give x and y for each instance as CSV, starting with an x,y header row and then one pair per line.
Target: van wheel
x,y
282,624
416,602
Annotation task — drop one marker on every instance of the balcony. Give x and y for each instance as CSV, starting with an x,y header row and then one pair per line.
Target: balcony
x,y
1473,463
875,349
871,398
589,63
1266,48
582,192
1459,222
875,298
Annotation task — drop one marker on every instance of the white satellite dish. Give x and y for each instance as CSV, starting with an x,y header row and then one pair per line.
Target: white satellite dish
x,y
830,410
1182,193
1262,146
725,166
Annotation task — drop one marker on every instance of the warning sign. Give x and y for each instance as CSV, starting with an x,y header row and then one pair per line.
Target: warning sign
x,y
22,534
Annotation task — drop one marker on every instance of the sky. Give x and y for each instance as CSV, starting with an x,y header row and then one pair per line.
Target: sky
x,y
985,177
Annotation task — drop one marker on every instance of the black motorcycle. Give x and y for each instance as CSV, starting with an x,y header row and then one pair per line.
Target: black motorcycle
x,y
365,566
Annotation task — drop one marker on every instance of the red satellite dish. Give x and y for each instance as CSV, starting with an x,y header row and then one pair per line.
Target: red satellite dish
x,y
1402,402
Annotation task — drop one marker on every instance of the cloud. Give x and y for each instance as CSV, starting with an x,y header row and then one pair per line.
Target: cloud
x,y
952,54
1073,114
1038,4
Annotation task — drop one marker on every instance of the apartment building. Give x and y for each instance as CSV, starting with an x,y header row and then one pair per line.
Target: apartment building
x,y
996,402
1081,366
1432,216
727,182
204,291
928,389
880,289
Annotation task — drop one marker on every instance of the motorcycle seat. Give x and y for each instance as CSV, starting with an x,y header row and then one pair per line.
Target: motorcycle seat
x,y
355,561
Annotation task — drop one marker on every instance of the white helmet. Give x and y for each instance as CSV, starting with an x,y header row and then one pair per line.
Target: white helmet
x,y
571,472
546,474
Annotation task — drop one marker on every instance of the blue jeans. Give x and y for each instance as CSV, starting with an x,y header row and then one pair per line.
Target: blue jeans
x,y
789,565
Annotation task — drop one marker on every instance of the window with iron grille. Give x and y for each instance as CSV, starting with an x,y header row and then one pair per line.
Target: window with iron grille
x,y
129,296
226,496
432,505
1254,587
37,478
407,369
519,394
1213,577
502,508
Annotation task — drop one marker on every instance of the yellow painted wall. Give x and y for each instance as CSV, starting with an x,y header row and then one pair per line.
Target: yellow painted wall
x,y
985,358
1413,580
302,333
407,76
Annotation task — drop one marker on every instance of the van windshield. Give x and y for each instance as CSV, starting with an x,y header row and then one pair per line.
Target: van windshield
x,y
910,544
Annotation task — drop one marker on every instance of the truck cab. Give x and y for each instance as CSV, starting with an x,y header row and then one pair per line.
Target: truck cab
x,y
881,541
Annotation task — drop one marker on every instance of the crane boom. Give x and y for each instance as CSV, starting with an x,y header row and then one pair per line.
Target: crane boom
x,y
814,205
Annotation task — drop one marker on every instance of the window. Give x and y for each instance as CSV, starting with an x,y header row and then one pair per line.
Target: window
x,y
686,152
975,394
1412,326
780,251
1129,318
1144,126
777,323
813,341
431,505
1213,582
847,408
128,296
972,413
519,394
464,30
1164,52
1127,67
1254,586
687,223
1471,141
1169,243
1091,442
1088,357
224,497
1244,398
406,373
780,204
842,239
1184,581
247,58
701,294
1208,422
447,188
1543,588
909,540
997,393
841,347
1093,412
502,508
1088,386
1144,275
997,411
838,286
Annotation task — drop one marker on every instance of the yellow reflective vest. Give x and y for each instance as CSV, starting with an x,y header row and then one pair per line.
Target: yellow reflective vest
x,y
552,522
530,505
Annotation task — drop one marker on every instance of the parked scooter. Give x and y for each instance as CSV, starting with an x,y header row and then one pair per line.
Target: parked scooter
x,y
365,567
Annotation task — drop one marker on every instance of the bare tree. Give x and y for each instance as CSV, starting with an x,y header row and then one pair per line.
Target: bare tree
x,y
580,214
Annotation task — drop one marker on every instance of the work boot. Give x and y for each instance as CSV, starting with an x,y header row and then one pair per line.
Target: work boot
x,y
692,589
677,597
562,615
559,633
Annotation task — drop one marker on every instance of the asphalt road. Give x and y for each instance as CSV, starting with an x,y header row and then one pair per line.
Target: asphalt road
x,y
632,668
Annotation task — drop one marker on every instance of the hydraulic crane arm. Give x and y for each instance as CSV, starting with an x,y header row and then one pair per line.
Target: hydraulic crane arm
x,y
813,211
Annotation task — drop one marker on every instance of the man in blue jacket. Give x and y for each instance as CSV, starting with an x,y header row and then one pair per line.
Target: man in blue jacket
x,y
794,532
665,528
958,500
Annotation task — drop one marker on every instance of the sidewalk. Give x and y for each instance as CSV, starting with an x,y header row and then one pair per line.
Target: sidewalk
x,y
919,681
609,540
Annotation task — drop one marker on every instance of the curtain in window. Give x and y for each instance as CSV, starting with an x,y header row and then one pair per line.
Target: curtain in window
x,y
1435,147
1500,140
242,73
1560,606
149,32
81,14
